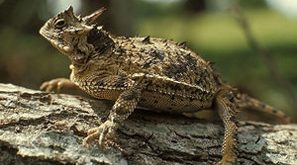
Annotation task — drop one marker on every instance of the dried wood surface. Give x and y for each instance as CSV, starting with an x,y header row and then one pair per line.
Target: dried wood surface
x,y
41,128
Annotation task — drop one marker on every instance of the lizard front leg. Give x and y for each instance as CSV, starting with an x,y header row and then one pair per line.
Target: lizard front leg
x,y
57,84
121,110
227,112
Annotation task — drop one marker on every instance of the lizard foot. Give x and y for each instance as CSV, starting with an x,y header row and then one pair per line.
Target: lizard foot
x,y
102,132
226,162
57,84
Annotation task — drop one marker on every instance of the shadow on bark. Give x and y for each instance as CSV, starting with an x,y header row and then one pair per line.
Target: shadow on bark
x,y
42,128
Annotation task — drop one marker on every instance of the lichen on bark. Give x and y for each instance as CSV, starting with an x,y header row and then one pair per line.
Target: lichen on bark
x,y
42,128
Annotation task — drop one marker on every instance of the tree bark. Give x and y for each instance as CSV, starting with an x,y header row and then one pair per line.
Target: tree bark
x,y
47,128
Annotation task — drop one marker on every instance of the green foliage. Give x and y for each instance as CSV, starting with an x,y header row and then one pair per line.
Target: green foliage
x,y
146,9
252,3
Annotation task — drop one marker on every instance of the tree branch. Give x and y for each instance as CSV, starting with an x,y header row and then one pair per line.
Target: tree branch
x,y
265,54
41,128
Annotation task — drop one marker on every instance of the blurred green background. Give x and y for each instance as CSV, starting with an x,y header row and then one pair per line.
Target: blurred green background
x,y
208,26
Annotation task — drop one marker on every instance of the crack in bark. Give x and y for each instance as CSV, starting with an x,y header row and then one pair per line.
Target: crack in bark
x,y
55,131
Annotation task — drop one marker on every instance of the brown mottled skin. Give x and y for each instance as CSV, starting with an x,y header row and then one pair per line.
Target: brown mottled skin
x,y
154,73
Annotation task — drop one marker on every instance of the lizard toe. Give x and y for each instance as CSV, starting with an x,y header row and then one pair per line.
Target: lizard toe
x,y
56,85
101,133
226,162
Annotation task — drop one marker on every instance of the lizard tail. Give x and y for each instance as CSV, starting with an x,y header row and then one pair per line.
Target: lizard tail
x,y
247,102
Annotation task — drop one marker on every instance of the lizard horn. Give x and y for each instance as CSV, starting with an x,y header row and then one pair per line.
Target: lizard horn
x,y
89,19
69,10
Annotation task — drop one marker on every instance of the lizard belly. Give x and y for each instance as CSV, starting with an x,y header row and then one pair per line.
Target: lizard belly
x,y
157,101
176,104
103,94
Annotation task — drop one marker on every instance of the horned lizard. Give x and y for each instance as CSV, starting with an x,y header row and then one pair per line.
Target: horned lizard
x,y
158,74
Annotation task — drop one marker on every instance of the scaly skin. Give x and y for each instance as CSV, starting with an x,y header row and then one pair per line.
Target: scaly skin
x,y
154,73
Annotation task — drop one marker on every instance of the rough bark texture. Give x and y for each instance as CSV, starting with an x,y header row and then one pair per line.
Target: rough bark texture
x,y
41,128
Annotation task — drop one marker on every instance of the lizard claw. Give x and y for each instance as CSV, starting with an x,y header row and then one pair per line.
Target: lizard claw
x,y
226,162
56,84
101,132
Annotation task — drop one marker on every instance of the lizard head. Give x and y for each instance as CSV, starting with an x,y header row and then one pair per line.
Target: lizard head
x,y
70,33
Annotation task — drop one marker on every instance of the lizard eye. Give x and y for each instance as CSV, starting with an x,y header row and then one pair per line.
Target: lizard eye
x,y
60,23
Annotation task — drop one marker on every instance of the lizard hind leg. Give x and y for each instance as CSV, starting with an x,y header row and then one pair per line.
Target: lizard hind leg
x,y
227,112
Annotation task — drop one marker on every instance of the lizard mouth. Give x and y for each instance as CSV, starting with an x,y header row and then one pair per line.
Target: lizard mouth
x,y
61,47
56,42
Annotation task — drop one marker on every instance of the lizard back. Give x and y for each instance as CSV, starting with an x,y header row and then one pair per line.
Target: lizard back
x,y
104,65
181,79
